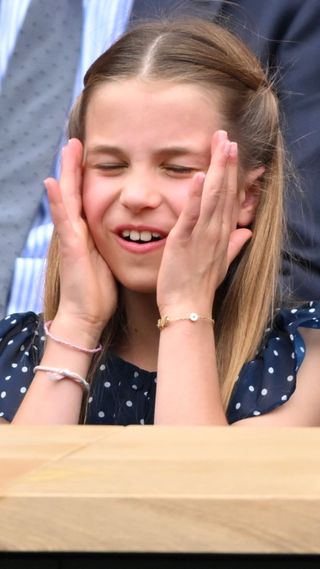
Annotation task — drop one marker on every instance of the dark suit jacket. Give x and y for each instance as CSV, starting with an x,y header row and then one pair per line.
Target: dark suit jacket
x,y
285,34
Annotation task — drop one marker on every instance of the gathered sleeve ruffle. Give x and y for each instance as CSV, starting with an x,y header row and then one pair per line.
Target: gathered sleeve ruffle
x,y
21,347
269,380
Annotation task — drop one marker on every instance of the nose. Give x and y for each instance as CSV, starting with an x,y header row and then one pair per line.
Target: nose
x,y
139,191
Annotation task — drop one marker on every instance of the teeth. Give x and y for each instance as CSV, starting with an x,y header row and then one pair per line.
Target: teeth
x,y
134,235
145,236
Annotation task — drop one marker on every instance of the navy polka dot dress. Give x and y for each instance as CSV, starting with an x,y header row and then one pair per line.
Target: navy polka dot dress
x,y
123,394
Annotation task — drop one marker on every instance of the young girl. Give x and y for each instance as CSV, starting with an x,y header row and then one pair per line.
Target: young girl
x,y
161,301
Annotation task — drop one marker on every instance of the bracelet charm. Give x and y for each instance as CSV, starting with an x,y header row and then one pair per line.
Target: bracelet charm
x,y
193,317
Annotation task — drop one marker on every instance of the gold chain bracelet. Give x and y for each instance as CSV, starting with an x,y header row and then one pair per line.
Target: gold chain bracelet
x,y
193,317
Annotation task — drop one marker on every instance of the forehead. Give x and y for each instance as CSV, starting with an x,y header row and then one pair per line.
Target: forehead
x,y
141,106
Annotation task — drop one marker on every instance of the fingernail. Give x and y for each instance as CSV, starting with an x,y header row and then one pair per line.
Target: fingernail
x,y
222,134
233,152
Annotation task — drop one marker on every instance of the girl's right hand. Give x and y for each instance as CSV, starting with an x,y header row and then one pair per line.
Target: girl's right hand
x,y
88,291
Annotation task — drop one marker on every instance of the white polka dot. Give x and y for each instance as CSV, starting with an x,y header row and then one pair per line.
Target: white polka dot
x,y
10,342
145,393
141,421
101,414
291,337
129,403
22,348
134,386
312,310
270,370
1,414
267,330
13,322
43,338
14,365
301,349
25,330
311,303
278,339
7,377
90,399
155,380
24,369
3,394
251,388
264,391
23,389
290,378
293,355
275,352
107,384
238,405
102,367
27,353
256,413
294,310
136,374
284,398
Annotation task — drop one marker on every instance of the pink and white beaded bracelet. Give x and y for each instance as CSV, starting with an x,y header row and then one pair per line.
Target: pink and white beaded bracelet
x,y
69,344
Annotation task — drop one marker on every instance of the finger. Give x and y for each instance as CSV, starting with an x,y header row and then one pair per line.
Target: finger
x,y
58,210
231,187
238,238
214,186
191,210
71,177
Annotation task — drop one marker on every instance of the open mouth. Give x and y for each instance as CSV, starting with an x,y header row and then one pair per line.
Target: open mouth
x,y
134,236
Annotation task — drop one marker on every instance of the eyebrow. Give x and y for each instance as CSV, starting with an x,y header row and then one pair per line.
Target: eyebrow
x,y
168,150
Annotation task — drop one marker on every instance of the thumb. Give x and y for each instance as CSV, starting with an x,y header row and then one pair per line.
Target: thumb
x,y
238,238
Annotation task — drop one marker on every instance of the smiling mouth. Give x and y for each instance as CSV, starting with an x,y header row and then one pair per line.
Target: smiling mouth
x,y
140,237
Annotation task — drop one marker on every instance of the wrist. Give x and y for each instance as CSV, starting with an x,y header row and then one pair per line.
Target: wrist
x,y
76,331
192,318
183,310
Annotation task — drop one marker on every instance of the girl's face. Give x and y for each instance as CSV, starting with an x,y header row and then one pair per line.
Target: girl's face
x,y
144,141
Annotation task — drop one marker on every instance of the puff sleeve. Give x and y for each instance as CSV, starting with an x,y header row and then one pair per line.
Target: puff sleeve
x,y
21,346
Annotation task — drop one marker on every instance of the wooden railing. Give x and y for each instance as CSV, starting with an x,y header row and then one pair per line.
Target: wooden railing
x,y
159,489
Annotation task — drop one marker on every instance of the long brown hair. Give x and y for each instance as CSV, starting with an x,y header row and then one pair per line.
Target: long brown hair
x,y
197,52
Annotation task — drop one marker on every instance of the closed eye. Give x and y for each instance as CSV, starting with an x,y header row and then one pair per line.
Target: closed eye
x,y
111,168
174,170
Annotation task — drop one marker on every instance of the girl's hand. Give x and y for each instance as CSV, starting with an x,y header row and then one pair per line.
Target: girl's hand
x,y
204,241
88,292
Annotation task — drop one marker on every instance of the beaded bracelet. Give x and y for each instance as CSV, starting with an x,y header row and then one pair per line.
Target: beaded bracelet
x,y
69,344
193,317
57,373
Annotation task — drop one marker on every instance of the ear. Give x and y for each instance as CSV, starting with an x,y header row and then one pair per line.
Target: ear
x,y
249,197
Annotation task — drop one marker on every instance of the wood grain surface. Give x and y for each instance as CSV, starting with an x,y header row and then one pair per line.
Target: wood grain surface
x,y
160,489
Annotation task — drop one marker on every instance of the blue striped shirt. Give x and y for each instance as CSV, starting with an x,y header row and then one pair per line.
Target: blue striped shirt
x,y
103,23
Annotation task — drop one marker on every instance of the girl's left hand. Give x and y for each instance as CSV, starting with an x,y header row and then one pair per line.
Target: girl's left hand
x,y
204,241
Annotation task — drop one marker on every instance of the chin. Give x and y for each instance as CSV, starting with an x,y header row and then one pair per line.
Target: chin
x,y
139,285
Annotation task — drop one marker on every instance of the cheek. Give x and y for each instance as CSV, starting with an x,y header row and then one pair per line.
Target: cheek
x,y
95,199
178,197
